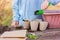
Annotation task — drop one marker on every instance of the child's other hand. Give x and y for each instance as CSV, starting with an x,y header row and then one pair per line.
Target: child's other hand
x,y
14,24
44,5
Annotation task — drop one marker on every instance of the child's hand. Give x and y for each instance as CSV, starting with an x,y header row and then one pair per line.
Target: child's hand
x,y
44,5
14,24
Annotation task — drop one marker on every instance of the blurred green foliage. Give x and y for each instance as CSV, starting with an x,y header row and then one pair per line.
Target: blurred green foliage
x,y
6,14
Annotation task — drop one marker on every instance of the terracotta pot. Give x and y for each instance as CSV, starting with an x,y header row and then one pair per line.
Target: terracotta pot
x,y
26,24
52,17
34,25
43,25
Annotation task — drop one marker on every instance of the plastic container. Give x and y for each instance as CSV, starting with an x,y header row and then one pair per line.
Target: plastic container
x,y
52,17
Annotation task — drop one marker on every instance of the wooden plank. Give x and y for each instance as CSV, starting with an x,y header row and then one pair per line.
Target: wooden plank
x,y
14,34
12,38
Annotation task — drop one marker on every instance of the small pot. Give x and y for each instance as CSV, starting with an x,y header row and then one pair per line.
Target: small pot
x,y
34,25
43,25
26,24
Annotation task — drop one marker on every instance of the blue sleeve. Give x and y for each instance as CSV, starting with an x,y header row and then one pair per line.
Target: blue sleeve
x,y
54,1
15,10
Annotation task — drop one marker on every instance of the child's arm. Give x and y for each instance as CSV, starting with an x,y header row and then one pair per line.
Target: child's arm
x,y
45,3
15,10
54,1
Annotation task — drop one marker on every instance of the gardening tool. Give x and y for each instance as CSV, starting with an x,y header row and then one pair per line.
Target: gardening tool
x,y
40,12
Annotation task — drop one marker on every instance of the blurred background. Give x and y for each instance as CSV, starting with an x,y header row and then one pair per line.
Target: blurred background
x,y
5,12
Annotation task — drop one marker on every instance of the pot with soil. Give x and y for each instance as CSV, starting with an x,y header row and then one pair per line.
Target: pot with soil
x,y
34,25
43,25
26,24
38,20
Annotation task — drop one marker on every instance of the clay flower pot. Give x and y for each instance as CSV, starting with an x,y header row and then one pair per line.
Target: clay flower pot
x,y
53,17
26,24
34,25
43,25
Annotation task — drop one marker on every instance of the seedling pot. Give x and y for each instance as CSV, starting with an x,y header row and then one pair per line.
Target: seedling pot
x,y
43,25
34,25
26,24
